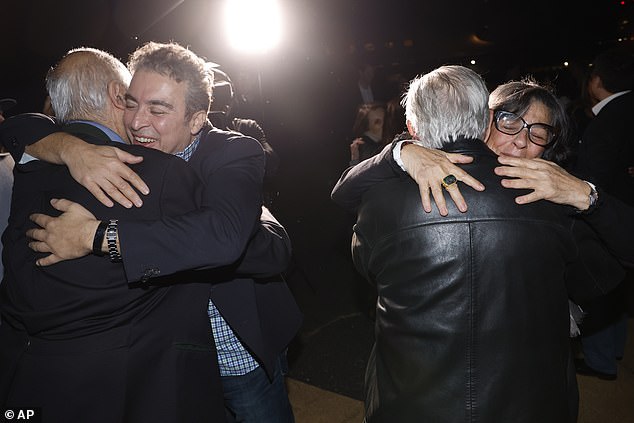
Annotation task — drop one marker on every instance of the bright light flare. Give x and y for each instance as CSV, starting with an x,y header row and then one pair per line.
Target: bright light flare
x,y
253,26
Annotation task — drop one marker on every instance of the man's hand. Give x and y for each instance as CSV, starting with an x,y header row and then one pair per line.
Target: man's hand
x,y
547,180
66,237
428,167
103,172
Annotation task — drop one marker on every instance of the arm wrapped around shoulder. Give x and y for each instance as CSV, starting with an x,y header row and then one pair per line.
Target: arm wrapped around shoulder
x,y
18,132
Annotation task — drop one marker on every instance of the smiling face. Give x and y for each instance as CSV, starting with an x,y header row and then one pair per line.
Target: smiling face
x,y
155,113
519,145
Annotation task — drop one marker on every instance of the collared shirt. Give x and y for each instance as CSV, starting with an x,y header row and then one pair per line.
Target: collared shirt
x,y
396,152
366,94
601,104
187,153
112,135
233,358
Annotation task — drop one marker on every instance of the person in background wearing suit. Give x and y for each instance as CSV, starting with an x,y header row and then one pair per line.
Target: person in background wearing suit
x,y
605,153
365,82
76,340
6,178
222,116
253,320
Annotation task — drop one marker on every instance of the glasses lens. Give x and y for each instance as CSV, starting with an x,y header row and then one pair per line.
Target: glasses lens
x,y
540,134
509,123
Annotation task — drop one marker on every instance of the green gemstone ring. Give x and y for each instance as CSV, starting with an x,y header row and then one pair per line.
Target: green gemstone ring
x,y
448,181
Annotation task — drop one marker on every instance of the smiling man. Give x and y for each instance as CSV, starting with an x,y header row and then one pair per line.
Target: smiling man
x,y
165,109
157,114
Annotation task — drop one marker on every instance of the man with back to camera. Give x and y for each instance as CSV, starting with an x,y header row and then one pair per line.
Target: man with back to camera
x,y
266,317
472,315
76,340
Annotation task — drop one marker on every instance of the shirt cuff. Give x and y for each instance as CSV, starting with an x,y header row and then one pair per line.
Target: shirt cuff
x,y
396,152
26,158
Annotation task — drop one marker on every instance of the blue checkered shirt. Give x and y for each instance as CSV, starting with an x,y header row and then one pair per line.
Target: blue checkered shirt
x,y
233,358
187,153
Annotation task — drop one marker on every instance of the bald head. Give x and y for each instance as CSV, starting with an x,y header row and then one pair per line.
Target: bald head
x,y
85,84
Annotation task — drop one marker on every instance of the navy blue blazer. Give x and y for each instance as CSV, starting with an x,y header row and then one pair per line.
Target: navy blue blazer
x,y
254,301
76,338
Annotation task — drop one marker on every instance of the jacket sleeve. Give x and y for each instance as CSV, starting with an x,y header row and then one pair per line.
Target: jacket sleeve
x,y
361,251
19,131
356,180
214,235
595,271
268,252
613,221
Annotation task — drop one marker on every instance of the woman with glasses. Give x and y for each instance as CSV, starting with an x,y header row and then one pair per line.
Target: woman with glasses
x,y
528,122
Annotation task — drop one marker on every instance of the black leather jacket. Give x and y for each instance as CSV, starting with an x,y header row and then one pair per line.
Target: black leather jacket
x,y
472,314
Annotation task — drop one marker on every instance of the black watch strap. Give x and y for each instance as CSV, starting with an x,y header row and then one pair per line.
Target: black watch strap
x,y
97,241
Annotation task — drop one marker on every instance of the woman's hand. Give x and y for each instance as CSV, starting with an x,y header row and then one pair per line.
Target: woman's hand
x,y
547,180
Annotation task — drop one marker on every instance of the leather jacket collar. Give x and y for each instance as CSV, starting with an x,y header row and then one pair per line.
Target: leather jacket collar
x,y
469,146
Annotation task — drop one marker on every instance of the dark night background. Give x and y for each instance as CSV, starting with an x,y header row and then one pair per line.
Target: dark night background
x,y
323,37
303,83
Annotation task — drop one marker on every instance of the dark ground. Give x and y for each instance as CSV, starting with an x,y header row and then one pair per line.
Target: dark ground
x,y
332,347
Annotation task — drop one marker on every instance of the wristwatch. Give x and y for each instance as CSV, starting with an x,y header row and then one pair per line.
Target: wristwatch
x,y
111,239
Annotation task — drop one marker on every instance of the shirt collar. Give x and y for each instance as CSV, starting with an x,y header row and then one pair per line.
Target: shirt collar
x,y
187,153
109,132
601,104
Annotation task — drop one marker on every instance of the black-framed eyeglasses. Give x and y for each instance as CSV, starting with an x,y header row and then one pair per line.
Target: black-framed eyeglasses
x,y
509,123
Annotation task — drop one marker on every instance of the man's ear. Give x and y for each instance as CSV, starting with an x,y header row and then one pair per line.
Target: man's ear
x,y
197,121
487,133
596,82
410,129
116,94
596,89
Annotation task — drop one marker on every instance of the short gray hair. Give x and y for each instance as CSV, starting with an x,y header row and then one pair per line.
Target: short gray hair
x,y
445,104
78,84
